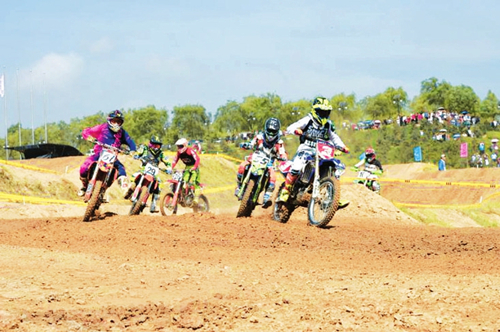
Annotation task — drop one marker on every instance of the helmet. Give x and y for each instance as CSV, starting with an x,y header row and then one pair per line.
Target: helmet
x,y
182,145
271,129
321,110
370,155
115,120
155,145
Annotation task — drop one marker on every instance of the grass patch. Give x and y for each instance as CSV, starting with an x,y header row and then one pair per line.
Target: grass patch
x,y
425,216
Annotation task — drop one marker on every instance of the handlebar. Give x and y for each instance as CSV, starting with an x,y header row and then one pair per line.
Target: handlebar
x,y
95,141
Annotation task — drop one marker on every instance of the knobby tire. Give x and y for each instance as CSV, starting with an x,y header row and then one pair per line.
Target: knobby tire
x,y
165,203
247,205
332,207
93,201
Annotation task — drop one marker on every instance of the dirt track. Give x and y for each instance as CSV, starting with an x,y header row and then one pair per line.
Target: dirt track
x,y
218,273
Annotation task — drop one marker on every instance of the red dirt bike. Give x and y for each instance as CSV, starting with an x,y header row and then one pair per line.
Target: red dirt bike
x,y
182,194
102,173
146,182
316,188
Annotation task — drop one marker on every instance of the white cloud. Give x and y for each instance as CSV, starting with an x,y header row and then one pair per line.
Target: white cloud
x,y
103,45
54,70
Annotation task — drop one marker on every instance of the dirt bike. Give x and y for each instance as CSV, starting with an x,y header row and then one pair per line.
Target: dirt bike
x,y
182,194
255,180
368,177
146,182
319,191
102,173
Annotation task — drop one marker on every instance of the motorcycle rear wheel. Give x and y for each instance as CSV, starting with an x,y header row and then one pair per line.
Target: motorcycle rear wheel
x,y
166,207
322,208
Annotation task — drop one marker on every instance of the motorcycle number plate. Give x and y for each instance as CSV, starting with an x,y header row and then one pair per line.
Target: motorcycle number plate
x,y
260,158
108,156
151,169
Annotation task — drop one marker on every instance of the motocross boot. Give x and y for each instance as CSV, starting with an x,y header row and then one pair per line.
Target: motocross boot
x,y
267,202
130,191
239,177
123,182
285,192
154,200
83,189
343,203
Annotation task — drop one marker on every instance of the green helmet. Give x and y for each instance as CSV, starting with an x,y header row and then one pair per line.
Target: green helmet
x,y
155,145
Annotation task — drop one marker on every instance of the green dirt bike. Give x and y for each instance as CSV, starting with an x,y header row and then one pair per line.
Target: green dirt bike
x,y
255,180
368,177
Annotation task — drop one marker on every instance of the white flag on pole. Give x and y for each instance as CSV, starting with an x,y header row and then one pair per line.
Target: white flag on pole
x,y
2,91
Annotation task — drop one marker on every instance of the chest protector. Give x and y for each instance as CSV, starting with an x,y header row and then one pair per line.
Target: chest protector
x,y
312,132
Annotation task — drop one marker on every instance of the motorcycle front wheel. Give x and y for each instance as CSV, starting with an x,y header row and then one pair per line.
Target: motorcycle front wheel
x,y
166,205
281,210
93,203
322,208
140,202
202,205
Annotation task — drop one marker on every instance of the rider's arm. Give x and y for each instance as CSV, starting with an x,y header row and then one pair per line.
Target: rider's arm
x,y
93,131
196,158
377,163
301,124
175,160
361,162
337,141
164,159
129,141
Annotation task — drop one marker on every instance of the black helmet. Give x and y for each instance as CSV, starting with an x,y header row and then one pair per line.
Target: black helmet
x,y
272,129
155,145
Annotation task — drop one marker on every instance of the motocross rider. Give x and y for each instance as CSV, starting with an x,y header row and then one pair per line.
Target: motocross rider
x,y
315,125
370,159
270,142
152,152
111,133
191,159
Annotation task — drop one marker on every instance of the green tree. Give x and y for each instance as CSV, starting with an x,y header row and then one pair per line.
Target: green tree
x,y
489,106
189,121
144,122
462,98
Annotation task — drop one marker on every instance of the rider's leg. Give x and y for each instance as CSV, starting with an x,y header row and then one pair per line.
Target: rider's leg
x,y
239,176
154,200
131,188
122,176
84,171
270,189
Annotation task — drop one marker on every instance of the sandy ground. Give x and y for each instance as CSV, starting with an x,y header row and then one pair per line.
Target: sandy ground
x,y
372,269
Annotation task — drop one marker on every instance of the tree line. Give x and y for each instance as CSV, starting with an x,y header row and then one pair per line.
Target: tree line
x,y
194,122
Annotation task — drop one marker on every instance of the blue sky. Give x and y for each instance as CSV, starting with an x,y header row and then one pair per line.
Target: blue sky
x,y
90,56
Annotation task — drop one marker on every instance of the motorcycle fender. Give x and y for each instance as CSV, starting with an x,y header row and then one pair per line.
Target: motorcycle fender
x,y
149,177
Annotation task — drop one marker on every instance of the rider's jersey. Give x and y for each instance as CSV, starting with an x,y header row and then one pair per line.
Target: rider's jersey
x,y
312,131
189,158
367,164
105,135
274,150
144,152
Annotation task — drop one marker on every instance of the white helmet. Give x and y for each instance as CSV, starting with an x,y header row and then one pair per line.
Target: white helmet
x,y
182,145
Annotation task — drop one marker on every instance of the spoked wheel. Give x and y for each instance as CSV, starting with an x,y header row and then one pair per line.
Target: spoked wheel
x,y
139,204
281,210
202,206
322,208
93,203
166,205
247,204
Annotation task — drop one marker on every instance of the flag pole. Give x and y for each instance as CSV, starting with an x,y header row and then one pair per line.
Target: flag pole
x,y
32,112
18,110
5,116
45,109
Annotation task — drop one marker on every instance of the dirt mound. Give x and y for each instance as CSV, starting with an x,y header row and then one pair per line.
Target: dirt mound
x,y
219,273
